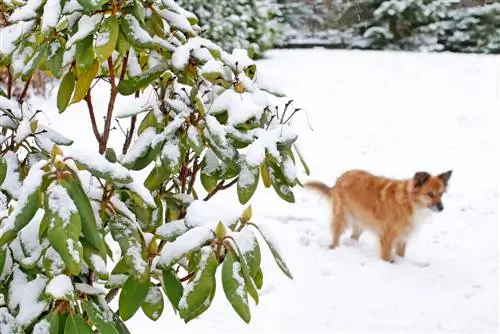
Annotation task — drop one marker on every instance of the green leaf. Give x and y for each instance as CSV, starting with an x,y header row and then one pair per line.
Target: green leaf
x,y
3,255
3,169
54,63
259,279
199,287
110,29
204,306
91,5
89,224
279,183
149,121
264,172
69,250
156,178
173,287
128,236
84,55
76,325
65,91
131,297
53,319
139,12
120,325
84,81
122,45
130,85
99,317
234,287
273,248
250,285
153,303
248,181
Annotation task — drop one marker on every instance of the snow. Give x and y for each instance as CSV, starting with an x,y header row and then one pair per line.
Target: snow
x,y
10,35
154,296
172,229
98,263
12,184
26,12
171,152
140,190
23,131
71,6
193,238
95,161
176,20
86,26
202,212
60,203
133,67
391,113
240,107
180,57
73,251
139,146
42,327
25,295
51,13
30,185
60,287
89,289
237,276
139,33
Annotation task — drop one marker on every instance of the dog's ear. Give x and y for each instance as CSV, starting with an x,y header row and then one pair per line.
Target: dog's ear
x,y
420,178
445,177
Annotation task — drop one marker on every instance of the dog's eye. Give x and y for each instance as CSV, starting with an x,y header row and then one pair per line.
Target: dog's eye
x,y
430,194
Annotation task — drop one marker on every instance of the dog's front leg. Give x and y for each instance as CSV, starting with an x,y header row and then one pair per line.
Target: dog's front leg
x,y
386,244
401,248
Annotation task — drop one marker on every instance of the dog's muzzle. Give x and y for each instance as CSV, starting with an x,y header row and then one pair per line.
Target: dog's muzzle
x,y
438,207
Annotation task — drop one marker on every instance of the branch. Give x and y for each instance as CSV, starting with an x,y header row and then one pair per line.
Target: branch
x,y
220,186
196,168
111,105
25,90
9,83
90,107
130,134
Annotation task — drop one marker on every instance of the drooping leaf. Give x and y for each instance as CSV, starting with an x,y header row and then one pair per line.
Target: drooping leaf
x,y
199,287
131,297
75,324
128,236
173,287
273,247
153,303
279,183
65,91
234,287
102,319
69,250
3,169
89,224
84,81
85,55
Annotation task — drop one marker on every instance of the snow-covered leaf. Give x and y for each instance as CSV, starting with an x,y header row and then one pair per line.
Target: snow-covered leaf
x,y
101,317
100,167
153,303
128,236
106,38
234,286
60,287
199,288
248,180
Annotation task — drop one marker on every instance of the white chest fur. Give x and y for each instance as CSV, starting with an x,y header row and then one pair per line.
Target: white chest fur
x,y
420,216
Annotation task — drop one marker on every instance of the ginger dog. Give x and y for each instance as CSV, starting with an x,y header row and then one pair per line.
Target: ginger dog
x,y
389,207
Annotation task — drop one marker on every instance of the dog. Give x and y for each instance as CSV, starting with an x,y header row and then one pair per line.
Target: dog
x,y
391,208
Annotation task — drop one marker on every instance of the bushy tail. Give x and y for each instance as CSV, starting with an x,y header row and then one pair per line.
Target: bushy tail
x,y
320,187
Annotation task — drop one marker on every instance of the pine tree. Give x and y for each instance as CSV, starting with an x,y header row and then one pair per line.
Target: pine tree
x,y
236,24
472,29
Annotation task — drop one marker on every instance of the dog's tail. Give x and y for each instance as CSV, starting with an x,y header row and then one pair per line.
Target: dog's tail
x,y
320,187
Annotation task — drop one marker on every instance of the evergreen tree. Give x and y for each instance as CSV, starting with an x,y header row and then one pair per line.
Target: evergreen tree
x,y
236,24
473,29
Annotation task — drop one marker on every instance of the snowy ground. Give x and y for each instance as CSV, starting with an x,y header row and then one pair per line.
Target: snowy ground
x,y
392,114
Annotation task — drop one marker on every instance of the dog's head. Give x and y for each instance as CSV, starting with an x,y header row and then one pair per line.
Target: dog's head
x,y
428,189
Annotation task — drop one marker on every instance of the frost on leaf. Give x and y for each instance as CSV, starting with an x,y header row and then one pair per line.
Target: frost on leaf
x,y
60,203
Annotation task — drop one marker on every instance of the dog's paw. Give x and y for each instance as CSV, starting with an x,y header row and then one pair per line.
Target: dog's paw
x,y
350,242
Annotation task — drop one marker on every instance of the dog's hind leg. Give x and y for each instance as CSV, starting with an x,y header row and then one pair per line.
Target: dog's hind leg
x,y
356,231
339,220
